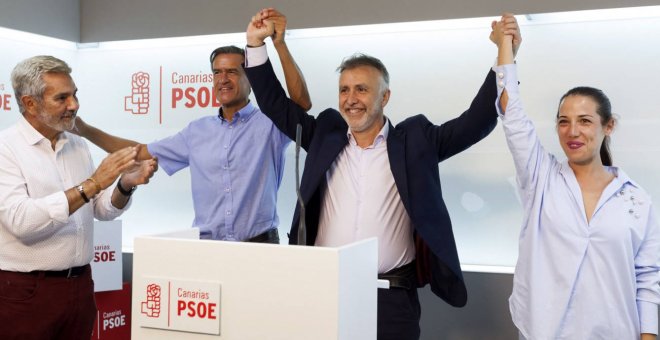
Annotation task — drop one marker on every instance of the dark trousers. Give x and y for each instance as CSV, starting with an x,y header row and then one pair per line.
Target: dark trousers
x,y
398,314
41,307
270,236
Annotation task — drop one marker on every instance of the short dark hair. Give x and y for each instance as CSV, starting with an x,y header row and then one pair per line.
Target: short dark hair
x,y
360,59
231,49
604,110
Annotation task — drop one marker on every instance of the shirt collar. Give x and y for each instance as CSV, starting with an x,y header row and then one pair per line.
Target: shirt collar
x,y
619,175
32,136
380,138
244,114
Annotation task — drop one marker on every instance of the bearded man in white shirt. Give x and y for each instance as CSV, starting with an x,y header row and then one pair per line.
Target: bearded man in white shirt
x,y
50,194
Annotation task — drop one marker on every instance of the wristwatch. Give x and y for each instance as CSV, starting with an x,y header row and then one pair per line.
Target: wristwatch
x,y
123,191
81,191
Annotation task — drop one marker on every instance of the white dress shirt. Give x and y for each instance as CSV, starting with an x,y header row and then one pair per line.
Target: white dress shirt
x,y
578,279
361,201
36,231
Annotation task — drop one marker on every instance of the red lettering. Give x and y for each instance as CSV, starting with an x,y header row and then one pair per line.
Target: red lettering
x,y
177,94
216,101
191,98
212,309
4,103
104,256
191,309
203,97
180,306
201,310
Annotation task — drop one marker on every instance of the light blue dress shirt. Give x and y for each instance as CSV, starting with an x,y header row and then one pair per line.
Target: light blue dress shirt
x,y
235,168
576,279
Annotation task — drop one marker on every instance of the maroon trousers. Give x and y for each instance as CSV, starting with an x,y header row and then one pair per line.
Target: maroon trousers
x,y
40,306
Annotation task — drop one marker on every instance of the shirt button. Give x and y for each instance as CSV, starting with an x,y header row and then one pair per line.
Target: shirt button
x,y
501,75
228,212
225,167
226,146
500,83
231,126
227,189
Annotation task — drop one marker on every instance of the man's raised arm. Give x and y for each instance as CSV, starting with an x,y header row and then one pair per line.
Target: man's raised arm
x,y
293,76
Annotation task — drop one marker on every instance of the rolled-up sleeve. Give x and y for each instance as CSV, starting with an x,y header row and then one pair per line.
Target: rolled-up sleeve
x,y
103,208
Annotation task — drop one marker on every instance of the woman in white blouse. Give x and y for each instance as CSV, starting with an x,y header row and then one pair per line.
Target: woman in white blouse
x,y
589,247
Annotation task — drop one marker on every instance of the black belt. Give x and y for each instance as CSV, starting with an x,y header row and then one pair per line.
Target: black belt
x,y
270,236
67,273
402,277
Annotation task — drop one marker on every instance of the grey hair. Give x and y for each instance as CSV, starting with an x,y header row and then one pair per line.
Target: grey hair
x,y
27,76
359,59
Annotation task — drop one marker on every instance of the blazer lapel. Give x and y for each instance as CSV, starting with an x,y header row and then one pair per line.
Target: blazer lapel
x,y
319,161
396,145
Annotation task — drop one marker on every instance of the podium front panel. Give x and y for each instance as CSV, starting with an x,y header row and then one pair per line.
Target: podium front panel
x,y
201,289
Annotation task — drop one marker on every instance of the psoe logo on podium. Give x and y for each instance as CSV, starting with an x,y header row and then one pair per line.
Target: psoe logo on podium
x,y
138,102
151,307
181,305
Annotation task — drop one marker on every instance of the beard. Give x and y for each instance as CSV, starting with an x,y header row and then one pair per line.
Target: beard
x,y
61,123
364,122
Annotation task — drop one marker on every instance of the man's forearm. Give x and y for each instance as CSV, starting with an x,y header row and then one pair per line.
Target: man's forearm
x,y
106,141
110,143
295,81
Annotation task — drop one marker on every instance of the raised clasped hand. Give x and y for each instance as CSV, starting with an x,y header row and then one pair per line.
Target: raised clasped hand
x,y
506,28
259,28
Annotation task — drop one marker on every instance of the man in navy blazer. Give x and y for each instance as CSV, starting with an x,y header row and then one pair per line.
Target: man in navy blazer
x,y
357,157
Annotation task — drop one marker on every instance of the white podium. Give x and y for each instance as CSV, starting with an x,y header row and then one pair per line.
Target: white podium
x,y
202,289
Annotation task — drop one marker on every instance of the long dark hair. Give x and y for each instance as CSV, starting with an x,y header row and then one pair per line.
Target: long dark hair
x,y
604,110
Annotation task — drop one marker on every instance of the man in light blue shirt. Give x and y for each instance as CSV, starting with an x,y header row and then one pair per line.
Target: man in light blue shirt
x,y
236,157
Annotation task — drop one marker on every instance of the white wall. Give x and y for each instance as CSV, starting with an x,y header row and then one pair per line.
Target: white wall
x,y
435,71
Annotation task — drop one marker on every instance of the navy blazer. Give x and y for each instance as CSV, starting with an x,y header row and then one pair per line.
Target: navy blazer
x,y
415,147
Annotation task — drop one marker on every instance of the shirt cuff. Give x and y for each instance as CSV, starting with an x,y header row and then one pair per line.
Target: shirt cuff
x,y
506,77
103,208
57,206
648,317
255,56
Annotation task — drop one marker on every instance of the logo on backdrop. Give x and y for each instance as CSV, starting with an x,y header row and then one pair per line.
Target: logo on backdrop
x,y
151,307
173,92
138,102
